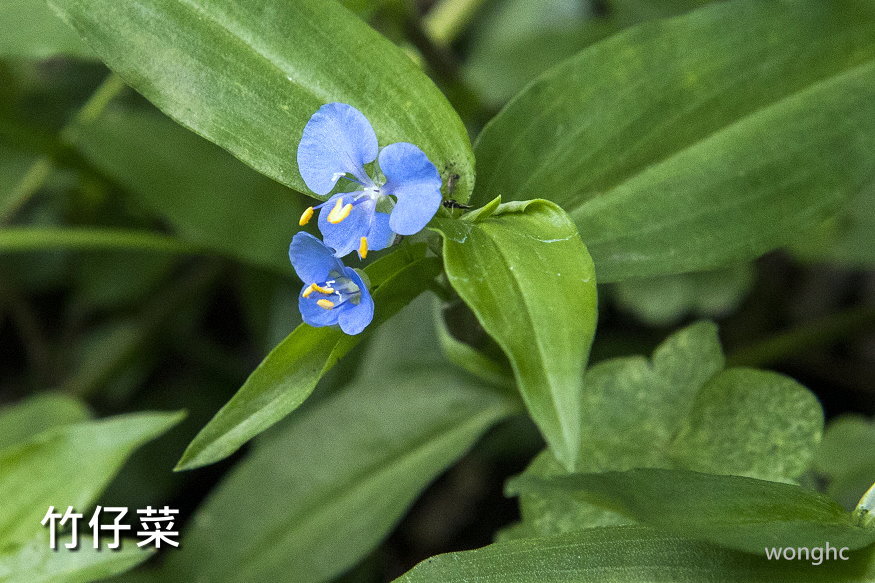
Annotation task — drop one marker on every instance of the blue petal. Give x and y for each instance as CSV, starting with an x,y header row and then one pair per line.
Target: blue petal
x,y
313,314
355,318
414,180
344,237
381,235
338,139
312,260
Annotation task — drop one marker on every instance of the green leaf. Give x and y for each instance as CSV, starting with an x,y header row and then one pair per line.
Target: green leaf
x,y
29,29
735,512
681,410
211,200
24,420
248,76
665,300
628,555
671,161
529,280
23,239
847,458
67,466
522,39
287,376
346,470
35,562
847,239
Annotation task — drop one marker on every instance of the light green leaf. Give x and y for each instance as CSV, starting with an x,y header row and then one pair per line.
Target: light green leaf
x,y
287,376
529,280
681,410
67,466
35,562
211,199
847,458
346,470
29,29
23,239
739,513
248,76
676,160
38,413
665,300
628,555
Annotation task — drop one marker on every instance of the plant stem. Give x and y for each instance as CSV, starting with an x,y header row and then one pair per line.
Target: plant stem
x,y
29,185
820,332
448,19
36,176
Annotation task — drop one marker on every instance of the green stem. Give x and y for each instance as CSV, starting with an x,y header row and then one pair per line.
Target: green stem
x,y
35,178
448,19
29,185
820,332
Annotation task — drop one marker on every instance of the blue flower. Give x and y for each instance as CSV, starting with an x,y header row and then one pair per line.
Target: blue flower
x,y
332,293
338,142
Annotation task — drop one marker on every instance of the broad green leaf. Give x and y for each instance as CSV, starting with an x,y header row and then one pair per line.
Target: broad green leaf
x,y
346,470
67,466
248,76
522,39
680,160
527,277
38,413
846,457
665,300
847,239
735,512
29,29
35,562
680,410
629,555
287,376
210,199
24,239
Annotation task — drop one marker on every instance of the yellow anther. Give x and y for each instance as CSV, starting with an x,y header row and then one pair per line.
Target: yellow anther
x,y
322,290
310,289
326,304
363,247
339,212
306,216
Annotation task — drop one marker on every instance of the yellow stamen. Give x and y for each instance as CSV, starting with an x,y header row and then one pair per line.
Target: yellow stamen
x,y
326,304
322,290
339,212
306,216
310,289
363,247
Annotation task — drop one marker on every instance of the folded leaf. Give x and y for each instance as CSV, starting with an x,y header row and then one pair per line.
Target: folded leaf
x,y
248,76
527,277
287,376
675,160
739,513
